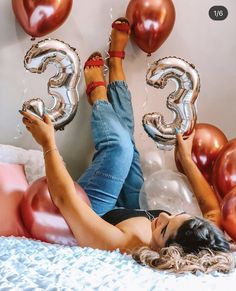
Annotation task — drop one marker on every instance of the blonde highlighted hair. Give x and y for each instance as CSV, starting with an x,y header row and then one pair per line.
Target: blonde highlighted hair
x,y
174,259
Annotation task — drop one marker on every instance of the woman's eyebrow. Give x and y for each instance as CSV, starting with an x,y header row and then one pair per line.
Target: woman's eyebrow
x,y
163,231
180,213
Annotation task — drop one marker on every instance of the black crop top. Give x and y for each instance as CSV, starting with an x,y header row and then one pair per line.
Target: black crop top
x,y
120,214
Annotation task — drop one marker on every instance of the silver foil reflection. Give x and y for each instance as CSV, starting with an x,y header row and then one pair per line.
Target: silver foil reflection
x,y
62,87
181,102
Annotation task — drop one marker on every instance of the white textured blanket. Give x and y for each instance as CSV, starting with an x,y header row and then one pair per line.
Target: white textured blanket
x,y
32,265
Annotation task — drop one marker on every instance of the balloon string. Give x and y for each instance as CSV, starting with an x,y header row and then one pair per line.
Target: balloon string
x,y
25,84
111,13
107,56
145,85
164,158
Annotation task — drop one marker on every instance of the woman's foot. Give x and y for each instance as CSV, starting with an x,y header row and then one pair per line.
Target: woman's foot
x,y
118,41
93,73
119,38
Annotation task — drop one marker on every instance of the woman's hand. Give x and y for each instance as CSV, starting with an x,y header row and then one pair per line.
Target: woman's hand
x,y
232,246
184,147
41,130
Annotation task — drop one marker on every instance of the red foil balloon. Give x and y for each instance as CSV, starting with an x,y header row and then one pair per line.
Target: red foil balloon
x,y
228,213
42,218
151,22
207,143
38,18
224,171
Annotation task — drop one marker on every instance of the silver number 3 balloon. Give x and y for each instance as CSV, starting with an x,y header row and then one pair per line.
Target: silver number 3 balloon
x,y
62,86
181,102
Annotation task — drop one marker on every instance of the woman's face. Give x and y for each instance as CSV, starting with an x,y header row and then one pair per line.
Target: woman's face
x,y
165,226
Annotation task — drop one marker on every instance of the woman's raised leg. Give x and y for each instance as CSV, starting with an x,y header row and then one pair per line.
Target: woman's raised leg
x,y
104,178
120,98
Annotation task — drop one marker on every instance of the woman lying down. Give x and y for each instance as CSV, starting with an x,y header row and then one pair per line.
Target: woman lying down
x,y
112,182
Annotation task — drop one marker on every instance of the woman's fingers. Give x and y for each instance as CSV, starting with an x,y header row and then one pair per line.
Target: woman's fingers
x,y
31,119
25,120
47,119
233,247
30,116
191,136
179,137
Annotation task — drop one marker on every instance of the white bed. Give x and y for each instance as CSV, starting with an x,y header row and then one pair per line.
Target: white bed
x,y
27,264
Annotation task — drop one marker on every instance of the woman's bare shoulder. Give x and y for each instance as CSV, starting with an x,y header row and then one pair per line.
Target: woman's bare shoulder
x,y
137,231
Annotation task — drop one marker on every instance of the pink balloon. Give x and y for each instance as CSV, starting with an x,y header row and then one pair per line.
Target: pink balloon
x,y
13,184
42,218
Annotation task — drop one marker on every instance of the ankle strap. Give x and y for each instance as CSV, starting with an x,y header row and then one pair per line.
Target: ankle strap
x,y
117,54
94,85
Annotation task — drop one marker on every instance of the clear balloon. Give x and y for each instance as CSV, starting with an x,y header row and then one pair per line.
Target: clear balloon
x,y
62,86
170,191
181,102
151,22
151,162
41,17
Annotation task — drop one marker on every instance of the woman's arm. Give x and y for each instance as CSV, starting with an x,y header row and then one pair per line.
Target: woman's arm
x,y
204,193
88,228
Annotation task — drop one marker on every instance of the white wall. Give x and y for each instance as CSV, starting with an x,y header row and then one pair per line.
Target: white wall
x,y
208,44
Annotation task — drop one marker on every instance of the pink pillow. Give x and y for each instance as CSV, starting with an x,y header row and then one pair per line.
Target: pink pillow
x,y
13,184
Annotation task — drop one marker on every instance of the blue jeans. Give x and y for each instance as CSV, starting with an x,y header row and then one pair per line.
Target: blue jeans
x,y
114,177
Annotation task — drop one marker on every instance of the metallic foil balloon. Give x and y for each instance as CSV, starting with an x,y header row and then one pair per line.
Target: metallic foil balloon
x,y
207,143
41,217
181,102
151,22
224,170
62,86
13,184
35,106
170,191
41,17
228,213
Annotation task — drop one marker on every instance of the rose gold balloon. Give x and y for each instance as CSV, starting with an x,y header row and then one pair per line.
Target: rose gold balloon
x,y
228,213
151,22
42,218
41,17
224,171
13,184
207,143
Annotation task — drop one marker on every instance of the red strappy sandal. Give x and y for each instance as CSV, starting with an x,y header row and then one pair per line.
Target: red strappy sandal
x,y
94,63
123,26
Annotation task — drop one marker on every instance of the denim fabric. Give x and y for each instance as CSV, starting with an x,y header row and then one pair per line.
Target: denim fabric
x,y
114,177
120,98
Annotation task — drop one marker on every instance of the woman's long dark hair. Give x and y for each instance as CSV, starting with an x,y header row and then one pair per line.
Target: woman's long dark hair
x,y
197,246
197,234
